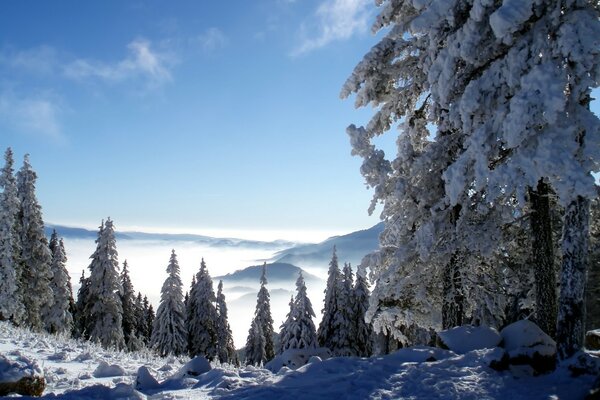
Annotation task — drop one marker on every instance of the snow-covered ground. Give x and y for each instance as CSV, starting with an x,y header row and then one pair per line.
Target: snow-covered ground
x,y
71,370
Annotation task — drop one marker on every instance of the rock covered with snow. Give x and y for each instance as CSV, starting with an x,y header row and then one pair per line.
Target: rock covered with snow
x,y
104,370
22,376
196,366
526,344
295,358
592,340
419,354
144,380
463,339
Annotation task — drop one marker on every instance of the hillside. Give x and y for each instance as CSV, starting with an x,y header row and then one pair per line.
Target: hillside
x,y
276,272
350,248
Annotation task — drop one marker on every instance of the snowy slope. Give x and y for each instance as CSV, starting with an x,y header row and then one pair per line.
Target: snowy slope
x,y
69,367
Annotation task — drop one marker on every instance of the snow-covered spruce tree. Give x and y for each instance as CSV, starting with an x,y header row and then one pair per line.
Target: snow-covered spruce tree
x,y
255,344
35,255
169,333
519,95
103,307
81,328
148,321
301,333
58,318
11,301
328,329
260,351
419,235
202,326
363,340
346,335
130,318
225,348
285,333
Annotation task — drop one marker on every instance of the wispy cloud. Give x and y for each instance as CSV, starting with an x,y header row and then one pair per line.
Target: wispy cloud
x,y
38,60
212,39
142,61
37,115
334,20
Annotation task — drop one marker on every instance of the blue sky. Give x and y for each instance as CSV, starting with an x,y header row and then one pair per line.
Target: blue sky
x,y
188,115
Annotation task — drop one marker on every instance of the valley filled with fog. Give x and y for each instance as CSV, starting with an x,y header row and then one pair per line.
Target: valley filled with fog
x,y
148,259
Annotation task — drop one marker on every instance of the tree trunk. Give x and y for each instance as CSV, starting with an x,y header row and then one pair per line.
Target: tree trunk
x,y
571,317
592,291
453,298
543,259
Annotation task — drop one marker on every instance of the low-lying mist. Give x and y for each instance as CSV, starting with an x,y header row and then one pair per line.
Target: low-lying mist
x,y
148,259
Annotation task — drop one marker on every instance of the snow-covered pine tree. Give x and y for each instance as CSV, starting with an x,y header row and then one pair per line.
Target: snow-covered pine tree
x,y
363,339
264,351
58,318
225,348
255,344
81,321
301,332
203,322
35,253
169,334
132,340
11,301
519,96
148,321
418,237
285,330
103,307
345,336
328,330
190,310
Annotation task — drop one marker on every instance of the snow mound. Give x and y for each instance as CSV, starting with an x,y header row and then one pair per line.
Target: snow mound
x,y
106,371
464,339
524,338
418,354
144,380
13,370
296,358
196,366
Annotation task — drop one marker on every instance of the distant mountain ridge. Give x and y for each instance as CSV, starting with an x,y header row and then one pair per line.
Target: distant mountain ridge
x,y
350,248
276,272
82,233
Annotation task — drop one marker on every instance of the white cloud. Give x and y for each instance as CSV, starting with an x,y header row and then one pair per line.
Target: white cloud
x,y
141,62
334,20
32,115
212,39
40,60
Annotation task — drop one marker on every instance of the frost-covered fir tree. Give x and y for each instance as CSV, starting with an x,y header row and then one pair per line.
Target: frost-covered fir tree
x,y
58,318
225,348
35,254
285,333
11,301
261,350
130,315
203,320
345,337
328,328
148,321
362,342
300,333
169,333
103,306
81,329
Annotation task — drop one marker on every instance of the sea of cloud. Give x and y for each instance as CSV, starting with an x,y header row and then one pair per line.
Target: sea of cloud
x,y
148,259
